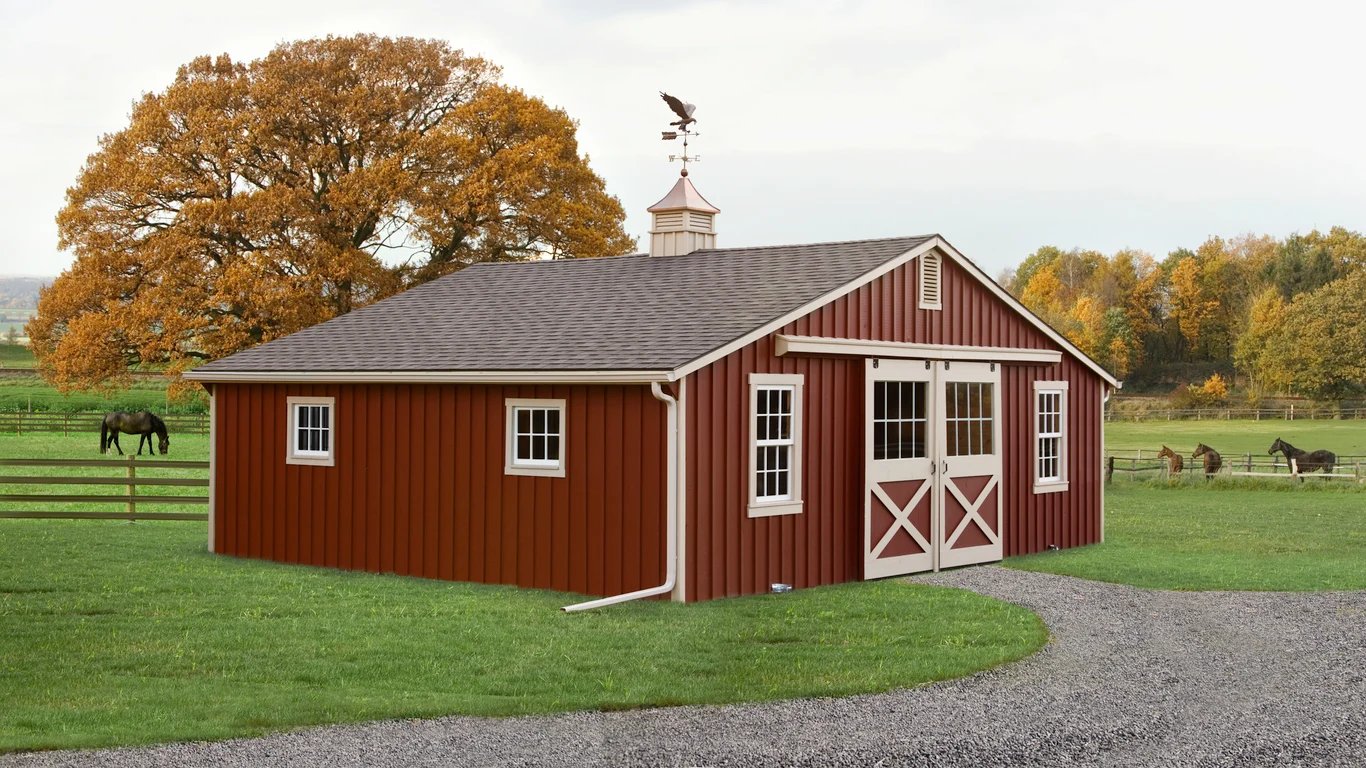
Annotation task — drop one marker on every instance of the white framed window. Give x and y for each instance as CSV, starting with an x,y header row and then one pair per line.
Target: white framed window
x,y
311,439
1050,436
535,437
931,275
775,444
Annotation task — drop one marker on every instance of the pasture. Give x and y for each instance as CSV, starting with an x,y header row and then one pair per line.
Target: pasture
x,y
14,355
1234,438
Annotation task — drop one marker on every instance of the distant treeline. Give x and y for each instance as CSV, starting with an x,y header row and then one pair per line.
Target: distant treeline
x,y
1288,316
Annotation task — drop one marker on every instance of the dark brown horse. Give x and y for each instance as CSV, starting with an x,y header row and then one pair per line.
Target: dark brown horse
x,y
1174,462
1305,461
144,424
1213,461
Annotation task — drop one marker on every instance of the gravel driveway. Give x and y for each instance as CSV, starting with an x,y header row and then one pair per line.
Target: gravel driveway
x,y
1131,677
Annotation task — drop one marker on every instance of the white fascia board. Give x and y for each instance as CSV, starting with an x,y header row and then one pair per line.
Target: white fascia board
x,y
820,345
432,377
809,307
887,266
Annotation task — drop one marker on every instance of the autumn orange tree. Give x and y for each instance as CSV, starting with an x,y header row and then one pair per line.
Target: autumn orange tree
x,y
1243,305
250,200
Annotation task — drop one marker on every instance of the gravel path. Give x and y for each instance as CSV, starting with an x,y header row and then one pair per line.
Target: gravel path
x,y
1131,678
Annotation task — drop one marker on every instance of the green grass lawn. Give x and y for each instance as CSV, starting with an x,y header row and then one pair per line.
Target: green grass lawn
x,y
1268,535
1232,438
15,355
185,447
116,633
31,393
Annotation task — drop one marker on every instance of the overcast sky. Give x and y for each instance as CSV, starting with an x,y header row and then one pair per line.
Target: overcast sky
x,y
1003,126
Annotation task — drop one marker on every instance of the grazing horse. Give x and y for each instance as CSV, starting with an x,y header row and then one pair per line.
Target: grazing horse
x,y
1174,462
1213,461
1305,461
144,424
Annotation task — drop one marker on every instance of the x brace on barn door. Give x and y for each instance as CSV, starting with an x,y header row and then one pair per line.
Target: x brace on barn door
x,y
933,465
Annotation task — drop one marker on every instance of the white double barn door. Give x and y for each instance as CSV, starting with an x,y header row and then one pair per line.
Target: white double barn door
x,y
932,496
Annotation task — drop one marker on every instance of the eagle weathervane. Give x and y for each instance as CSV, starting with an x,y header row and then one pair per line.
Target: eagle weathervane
x,y
684,111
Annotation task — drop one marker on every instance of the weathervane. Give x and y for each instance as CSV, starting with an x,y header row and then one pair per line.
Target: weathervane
x,y
685,119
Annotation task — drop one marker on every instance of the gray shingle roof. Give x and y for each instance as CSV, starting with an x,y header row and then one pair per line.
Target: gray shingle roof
x,y
626,313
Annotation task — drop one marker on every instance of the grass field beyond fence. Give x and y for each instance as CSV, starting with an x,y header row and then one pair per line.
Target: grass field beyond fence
x,y
1232,438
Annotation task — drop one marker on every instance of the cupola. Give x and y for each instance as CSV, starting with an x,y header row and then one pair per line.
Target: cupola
x,y
682,222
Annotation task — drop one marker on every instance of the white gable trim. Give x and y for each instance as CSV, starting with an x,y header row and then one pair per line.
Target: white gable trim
x,y
868,277
807,308
824,345
1024,312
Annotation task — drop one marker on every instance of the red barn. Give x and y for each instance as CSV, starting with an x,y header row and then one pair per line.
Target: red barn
x,y
695,421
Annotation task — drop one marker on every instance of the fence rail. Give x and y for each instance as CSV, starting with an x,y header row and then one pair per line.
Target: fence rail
x,y
130,481
1149,466
1120,412
21,422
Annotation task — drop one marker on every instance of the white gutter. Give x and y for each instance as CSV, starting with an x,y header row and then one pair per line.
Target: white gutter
x,y
671,517
435,377
1105,393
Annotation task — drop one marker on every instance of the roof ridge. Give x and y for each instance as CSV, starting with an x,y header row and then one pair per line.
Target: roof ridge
x,y
812,245
515,263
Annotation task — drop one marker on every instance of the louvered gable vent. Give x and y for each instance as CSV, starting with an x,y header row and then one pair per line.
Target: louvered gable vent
x,y
931,270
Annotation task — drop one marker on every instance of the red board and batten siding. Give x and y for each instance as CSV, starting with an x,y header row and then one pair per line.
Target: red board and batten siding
x,y
418,486
729,553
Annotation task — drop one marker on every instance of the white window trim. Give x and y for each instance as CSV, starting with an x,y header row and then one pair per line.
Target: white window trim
x,y
938,303
326,458
1061,483
792,506
510,464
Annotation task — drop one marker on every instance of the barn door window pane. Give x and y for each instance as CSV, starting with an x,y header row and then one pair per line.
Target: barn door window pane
x,y
1050,436
899,420
775,444
969,418
535,437
310,430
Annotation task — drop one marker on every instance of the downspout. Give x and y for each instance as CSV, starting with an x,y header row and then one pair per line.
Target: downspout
x,y
1105,393
671,516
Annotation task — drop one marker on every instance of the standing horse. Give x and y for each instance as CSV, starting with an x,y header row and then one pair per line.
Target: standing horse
x,y
1213,461
1174,462
1305,461
144,424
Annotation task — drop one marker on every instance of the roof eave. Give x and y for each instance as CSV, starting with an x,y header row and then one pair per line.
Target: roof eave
x,y
431,377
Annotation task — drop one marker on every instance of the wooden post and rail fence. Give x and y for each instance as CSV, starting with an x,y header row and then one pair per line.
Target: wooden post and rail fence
x,y
124,476
1140,466
88,422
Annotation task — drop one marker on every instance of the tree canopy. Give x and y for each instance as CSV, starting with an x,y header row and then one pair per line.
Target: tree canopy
x,y
249,200
1283,313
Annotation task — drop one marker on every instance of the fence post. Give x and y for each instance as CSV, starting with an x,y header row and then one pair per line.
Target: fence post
x,y
1109,468
132,490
